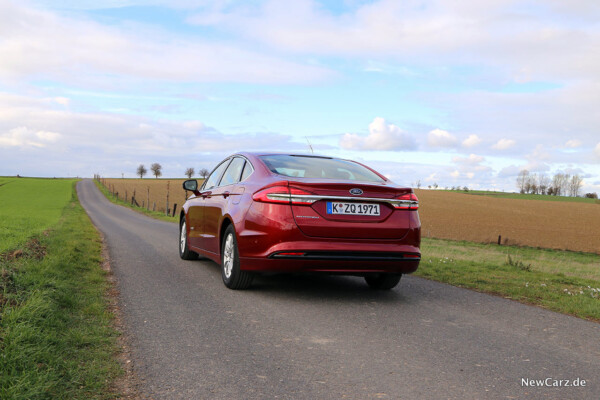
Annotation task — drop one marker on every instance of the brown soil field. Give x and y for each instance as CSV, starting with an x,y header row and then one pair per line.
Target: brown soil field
x,y
446,215
535,223
154,190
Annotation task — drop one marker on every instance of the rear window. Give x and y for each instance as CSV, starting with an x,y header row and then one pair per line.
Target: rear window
x,y
318,167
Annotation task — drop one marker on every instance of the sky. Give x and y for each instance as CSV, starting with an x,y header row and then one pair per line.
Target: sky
x,y
458,93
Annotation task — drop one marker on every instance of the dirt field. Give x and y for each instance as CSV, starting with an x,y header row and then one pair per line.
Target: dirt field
x,y
447,215
150,193
548,224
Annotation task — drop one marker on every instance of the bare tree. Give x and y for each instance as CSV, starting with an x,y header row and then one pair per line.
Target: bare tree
x,y
575,185
203,173
522,180
141,171
190,172
557,184
156,169
544,183
561,184
435,185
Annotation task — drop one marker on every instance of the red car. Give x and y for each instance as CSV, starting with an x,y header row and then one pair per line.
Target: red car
x,y
264,213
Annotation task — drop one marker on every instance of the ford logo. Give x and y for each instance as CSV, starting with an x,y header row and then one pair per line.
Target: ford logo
x,y
356,191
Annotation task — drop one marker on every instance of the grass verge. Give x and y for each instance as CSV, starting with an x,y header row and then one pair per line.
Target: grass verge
x,y
563,281
153,214
56,337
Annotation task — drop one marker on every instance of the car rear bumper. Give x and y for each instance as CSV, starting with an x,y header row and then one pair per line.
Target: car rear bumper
x,y
342,266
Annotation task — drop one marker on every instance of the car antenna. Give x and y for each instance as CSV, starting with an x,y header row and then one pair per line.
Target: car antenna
x,y
309,145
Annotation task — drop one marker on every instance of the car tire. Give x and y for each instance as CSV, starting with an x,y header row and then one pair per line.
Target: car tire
x,y
184,252
233,276
383,281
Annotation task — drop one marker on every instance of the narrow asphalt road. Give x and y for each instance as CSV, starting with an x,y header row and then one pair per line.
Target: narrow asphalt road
x,y
327,337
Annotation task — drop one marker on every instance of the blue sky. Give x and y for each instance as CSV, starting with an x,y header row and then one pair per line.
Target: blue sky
x,y
456,93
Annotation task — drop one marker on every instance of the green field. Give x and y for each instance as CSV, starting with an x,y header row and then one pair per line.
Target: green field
x,y
504,195
563,281
56,334
28,206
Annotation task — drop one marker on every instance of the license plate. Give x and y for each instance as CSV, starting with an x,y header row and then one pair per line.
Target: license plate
x,y
334,207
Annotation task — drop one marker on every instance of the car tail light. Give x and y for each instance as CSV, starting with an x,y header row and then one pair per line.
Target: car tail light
x,y
408,201
283,195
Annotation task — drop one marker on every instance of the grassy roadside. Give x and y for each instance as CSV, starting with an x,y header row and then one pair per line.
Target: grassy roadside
x,y
153,214
56,339
563,281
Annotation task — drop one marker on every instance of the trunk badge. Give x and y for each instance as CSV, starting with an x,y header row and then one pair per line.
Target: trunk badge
x,y
356,191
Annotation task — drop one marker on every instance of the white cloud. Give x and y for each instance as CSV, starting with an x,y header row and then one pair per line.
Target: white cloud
x,y
471,164
83,143
597,150
23,137
382,136
441,138
573,143
471,160
471,141
44,44
504,144
62,101
503,33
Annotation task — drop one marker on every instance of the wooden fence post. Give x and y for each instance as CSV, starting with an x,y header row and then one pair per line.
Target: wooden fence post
x,y
167,207
174,209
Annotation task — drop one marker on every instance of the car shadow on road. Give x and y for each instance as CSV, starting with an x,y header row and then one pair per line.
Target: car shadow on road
x,y
324,287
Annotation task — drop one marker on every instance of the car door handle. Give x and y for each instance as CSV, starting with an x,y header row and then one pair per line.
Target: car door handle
x,y
226,194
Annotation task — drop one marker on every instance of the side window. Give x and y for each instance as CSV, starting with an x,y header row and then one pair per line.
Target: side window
x,y
247,171
233,172
213,179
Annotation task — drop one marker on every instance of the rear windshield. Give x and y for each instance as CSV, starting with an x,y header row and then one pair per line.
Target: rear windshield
x,y
318,167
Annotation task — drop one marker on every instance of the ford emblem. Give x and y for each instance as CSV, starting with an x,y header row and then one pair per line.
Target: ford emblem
x,y
356,191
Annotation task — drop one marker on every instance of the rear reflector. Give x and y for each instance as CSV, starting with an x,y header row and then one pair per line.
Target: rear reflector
x,y
412,256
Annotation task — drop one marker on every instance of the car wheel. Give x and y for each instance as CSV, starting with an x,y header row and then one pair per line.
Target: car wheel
x,y
233,277
184,252
383,281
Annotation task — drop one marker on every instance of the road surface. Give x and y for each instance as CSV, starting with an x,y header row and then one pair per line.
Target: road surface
x,y
322,337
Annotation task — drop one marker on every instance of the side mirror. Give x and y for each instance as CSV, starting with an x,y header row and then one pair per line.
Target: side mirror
x,y
191,185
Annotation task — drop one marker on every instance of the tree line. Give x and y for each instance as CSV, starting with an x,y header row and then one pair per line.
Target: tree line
x,y
156,169
558,185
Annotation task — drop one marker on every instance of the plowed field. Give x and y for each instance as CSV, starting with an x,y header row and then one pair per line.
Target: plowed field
x,y
149,193
548,224
447,215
